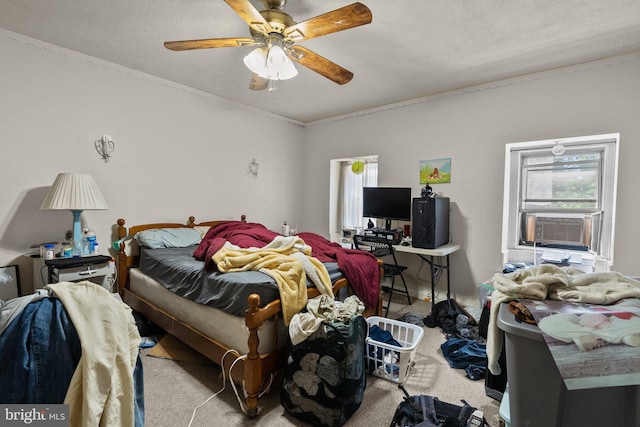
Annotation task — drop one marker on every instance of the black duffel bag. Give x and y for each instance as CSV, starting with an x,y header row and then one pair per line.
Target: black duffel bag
x,y
427,411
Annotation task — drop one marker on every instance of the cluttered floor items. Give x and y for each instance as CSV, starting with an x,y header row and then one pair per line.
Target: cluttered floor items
x,y
319,394
385,335
391,348
325,378
465,348
428,411
333,347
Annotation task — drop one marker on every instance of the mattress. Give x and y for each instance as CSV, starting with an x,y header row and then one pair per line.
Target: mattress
x,y
179,272
225,328
213,303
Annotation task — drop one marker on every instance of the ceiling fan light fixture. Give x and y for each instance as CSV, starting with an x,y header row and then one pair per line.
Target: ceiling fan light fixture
x,y
276,57
279,65
256,61
272,64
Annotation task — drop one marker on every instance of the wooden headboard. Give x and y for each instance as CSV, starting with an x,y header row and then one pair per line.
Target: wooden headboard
x,y
127,250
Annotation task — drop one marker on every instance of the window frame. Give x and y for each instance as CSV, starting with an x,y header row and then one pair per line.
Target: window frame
x,y
336,192
608,144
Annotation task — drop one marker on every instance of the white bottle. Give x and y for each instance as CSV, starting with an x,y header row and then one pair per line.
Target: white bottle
x,y
49,251
89,241
285,229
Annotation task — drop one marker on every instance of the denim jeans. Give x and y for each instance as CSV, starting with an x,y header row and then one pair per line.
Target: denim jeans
x,y
39,352
466,354
138,384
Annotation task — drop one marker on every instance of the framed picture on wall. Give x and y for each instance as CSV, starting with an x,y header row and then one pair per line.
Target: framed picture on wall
x,y
10,282
435,171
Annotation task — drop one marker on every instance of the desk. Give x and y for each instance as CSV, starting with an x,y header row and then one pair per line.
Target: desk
x,y
428,255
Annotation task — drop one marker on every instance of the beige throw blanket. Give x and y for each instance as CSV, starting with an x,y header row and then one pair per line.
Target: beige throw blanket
x,y
548,281
288,261
101,392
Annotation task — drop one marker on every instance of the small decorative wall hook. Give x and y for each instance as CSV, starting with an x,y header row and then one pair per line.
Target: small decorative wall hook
x,y
253,168
104,147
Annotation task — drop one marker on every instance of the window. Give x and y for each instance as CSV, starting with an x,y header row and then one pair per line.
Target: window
x,y
560,194
346,193
567,182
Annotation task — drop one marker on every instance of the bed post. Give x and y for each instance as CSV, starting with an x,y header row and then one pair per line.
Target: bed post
x,y
253,365
121,257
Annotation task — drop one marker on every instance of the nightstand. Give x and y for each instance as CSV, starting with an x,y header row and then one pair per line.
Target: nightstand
x,y
94,268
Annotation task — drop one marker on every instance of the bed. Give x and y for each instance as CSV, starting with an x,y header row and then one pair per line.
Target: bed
x,y
251,340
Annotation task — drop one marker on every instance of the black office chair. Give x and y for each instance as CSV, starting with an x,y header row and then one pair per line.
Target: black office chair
x,y
381,247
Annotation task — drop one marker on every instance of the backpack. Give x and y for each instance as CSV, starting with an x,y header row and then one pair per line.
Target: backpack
x,y
428,411
325,375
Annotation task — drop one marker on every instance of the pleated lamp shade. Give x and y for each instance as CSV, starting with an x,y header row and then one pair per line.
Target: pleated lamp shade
x,y
74,191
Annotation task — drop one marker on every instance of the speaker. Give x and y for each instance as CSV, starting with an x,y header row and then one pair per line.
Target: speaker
x,y
430,222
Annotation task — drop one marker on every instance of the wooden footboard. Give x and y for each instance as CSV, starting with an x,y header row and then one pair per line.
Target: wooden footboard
x,y
253,368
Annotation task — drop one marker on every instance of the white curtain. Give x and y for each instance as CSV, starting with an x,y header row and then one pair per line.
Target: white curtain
x,y
351,192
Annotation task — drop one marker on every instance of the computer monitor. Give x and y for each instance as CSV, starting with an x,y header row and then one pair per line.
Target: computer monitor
x,y
387,203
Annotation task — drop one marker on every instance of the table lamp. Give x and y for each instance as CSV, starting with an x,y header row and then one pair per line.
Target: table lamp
x,y
75,192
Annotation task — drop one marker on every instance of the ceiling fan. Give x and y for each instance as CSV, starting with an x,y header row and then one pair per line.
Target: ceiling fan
x,y
276,34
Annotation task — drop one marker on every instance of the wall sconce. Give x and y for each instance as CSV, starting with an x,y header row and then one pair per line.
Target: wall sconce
x,y
253,168
104,147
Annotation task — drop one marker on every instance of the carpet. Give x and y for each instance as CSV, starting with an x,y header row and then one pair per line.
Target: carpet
x,y
193,384
171,348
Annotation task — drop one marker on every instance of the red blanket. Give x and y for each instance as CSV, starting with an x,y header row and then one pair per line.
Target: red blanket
x,y
360,268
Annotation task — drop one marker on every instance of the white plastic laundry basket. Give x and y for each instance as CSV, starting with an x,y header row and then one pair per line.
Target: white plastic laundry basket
x,y
389,361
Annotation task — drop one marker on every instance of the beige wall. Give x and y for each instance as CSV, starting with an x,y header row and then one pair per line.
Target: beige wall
x,y
472,127
180,152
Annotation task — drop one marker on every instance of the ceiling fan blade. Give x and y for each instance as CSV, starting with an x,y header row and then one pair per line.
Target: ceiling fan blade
x,y
258,83
320,64
351,16
250,15
209,43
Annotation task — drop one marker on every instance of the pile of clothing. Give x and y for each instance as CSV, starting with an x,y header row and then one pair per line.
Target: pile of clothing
x,y
73,343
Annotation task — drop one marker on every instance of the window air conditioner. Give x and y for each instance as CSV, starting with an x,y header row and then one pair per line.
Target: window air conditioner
x,y
562,230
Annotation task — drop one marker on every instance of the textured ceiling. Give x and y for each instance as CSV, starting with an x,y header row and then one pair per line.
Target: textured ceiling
x,y
413,48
